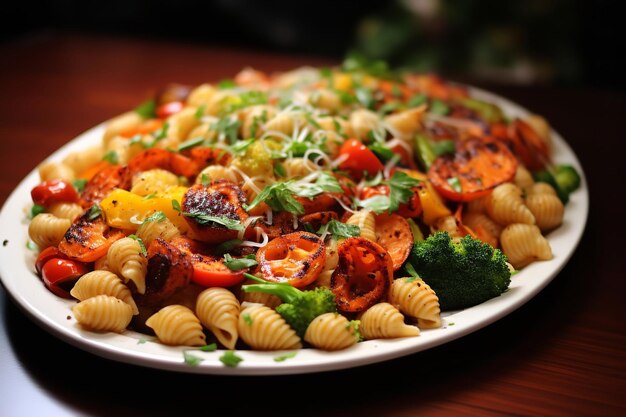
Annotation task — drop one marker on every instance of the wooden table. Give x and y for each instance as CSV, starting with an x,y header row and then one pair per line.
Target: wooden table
x,y
563,353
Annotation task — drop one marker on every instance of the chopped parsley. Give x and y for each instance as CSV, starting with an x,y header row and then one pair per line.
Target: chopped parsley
x,y
191,143
94,212
79,184
247,319
36,209
237,264
232,224
112,157
230,359
338,229
455,184
157,216
136,238
399,192
284,357
146,109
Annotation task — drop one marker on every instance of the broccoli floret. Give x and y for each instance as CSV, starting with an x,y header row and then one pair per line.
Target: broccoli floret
x,y
299,307
563,178
462,274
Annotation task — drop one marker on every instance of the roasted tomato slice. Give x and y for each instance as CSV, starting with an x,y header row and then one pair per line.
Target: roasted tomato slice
x,y
60,274
53,191
296,258
358,158
165,110
208,270
207,209
477,166
363,275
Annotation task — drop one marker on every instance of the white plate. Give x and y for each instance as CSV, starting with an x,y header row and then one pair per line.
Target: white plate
x,y
53,313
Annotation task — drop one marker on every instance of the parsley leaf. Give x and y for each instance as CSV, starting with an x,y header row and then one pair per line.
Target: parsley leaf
x,y
232,224
237,264
439,107
325,182
399,192
36,209
284,357
227,127
191,143
338,229
144,252
279,197
400,189
146,109
191,360
94,212
455,184
111,157
79,184
157,216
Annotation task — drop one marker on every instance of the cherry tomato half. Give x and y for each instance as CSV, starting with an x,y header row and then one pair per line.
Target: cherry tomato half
x,y
215,274
166,110
59,275
45,255
295,258
359,159
54,191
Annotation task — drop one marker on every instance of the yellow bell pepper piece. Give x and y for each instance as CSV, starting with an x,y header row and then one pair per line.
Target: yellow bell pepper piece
x,y
432,205
125,210
342,81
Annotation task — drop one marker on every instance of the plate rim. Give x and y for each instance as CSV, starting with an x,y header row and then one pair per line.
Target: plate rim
x,y
119,347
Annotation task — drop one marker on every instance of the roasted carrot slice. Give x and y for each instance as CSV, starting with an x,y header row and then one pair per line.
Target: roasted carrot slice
x,y
296,258
477,166
363,275
393,233
88,239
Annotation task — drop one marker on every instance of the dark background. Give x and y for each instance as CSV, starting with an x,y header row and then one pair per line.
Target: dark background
x,y
561,42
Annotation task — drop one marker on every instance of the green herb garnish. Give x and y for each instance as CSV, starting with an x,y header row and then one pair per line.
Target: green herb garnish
x,y
237,264
230,359
338,229
111,157
284,357
94,212
146,109
136,238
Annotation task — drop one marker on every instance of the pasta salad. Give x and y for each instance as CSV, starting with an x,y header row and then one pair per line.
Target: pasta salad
x,y
313,208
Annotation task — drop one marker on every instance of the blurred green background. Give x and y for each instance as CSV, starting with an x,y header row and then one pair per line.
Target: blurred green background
x,y
563,42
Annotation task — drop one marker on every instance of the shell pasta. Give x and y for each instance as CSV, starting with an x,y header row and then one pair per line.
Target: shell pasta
x,y
285,211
